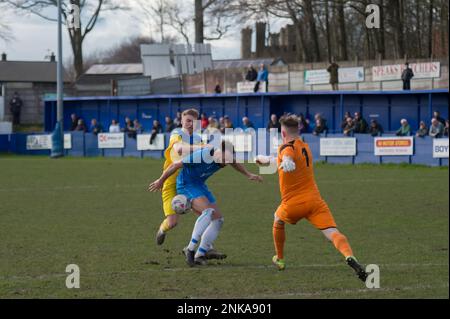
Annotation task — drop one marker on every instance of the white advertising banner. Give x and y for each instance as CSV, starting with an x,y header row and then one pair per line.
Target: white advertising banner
x,y
394,146
394,72
346,75
143,142
249,87
440,148
111,140
338,147
44,142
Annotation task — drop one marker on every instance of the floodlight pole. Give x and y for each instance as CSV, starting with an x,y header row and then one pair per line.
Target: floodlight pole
x,y
58,134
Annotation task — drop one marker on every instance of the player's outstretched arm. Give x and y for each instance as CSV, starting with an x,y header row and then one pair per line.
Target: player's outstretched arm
x,y
184,149
158,184
263,160
241,169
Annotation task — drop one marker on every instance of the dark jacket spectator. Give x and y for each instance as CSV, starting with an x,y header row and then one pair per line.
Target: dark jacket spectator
x,y
15,106
177,120
349,128
344,121
274,123
404,130
129,128
170,125
333,69
81,127
73,122
423,130
438,117
217,89
407,75
321,127
156,129
375,129
360,124
137,129
303,125
96,127
251,74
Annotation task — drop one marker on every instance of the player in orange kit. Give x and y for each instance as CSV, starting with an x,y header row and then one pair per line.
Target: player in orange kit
x,y
300,196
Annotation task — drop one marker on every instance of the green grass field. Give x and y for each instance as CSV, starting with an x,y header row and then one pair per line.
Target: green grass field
x,y
97,214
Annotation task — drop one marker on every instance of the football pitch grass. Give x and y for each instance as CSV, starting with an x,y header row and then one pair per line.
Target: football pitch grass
x,y
96,213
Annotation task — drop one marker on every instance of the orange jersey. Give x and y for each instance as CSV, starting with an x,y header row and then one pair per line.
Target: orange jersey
x,y
298,186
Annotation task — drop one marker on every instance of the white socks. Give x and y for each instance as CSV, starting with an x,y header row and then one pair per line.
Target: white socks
x,y
209,237
205,229
201,224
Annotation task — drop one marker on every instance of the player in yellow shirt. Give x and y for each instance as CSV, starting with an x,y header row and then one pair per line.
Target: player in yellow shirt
x,y
300,196
183,141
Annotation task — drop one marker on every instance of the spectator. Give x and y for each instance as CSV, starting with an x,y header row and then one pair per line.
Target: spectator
x,y
333,69
156,129
170,125
274,123
407,75
213,125
423,130
96,127
349,128
177,120
375,129
204,121
81,127
221,123
436,129
321,126
74,121
405,129
227,124
114,127
263,76
15,106
438,117
218,89
446,129
303,125
247,124
344,121
360,124
129,127
137,129
251,74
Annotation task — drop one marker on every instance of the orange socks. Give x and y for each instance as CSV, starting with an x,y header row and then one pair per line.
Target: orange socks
x,y
279,238
341,244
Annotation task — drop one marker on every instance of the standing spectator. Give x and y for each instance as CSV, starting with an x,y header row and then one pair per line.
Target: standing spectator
x,y
96,127
217,88
437,116
423,130
446,129
263,76
114,127
436,129
15,106
136,129
251,74
247,124
375,129
156,129
405,129
344,121
360,124
274,123
333,69
170,125
349,128
73,121
407,75
81,127
204,121
303,125
321,126
129,127
177,120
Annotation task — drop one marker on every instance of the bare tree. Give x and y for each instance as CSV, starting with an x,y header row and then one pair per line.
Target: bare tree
x,y
89,13
218,14
155,12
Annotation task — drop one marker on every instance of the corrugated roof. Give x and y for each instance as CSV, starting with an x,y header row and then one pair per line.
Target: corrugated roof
x,y
243,63
27,71
126,68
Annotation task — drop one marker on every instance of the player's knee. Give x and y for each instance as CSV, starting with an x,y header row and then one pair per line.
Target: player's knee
x,y
208,212
330,232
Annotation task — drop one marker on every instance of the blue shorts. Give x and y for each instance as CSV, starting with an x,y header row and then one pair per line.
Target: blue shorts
x,y
193,191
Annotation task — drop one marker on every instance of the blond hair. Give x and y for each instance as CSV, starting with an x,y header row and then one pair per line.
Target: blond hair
x,y
290,122
192,112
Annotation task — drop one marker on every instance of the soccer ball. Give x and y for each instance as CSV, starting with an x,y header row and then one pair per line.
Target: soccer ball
x,y
180,204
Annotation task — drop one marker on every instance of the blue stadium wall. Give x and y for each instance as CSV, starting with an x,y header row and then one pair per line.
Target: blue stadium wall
x,y
86,145
387,107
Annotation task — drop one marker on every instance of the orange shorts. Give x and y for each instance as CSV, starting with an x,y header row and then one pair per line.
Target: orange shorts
x,y
315,211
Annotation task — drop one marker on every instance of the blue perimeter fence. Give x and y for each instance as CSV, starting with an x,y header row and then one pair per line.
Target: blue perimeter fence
x,y
86,145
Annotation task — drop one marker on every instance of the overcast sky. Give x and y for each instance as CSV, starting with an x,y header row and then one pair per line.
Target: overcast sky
x,y
35,37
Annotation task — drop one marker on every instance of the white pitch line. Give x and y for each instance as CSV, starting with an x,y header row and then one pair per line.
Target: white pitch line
x,y
212,267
